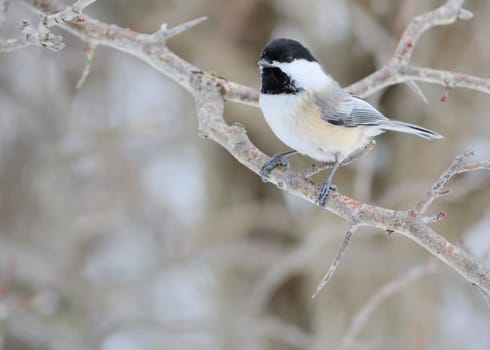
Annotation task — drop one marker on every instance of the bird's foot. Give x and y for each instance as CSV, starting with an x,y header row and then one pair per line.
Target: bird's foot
x,y
325,190
271,164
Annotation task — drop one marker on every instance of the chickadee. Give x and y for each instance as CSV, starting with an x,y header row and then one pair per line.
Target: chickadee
x,y
309,111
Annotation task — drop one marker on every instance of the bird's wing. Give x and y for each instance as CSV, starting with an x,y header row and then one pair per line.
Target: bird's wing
x,y
351,111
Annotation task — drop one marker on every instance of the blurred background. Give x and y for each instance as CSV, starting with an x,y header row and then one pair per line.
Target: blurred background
x,y
121,229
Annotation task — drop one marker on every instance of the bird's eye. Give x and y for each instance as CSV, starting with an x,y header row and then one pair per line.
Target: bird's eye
x,y
289,59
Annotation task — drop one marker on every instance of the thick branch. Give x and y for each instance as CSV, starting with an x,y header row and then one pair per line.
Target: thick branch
x,y
407,223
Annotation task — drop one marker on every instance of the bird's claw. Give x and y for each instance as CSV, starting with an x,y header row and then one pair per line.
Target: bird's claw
x,y
324,192
271,164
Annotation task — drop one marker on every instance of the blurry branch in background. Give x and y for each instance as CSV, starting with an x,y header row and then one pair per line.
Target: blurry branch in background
x,y
42,36
6,278
211,91
286,333
295,262
396,285
90,50
4,6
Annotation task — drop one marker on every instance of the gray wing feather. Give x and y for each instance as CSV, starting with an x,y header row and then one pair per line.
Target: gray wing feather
x,y
351,111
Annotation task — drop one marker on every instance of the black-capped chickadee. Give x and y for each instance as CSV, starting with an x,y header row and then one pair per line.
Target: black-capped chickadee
x,y
309,111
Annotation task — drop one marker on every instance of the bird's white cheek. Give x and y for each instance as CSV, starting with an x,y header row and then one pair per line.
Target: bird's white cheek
x,y
307,75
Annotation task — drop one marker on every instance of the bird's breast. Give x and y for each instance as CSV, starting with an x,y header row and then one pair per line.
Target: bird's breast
x,y
297,123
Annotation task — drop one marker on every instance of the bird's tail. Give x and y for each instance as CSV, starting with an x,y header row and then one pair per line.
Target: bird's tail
x,y
396,125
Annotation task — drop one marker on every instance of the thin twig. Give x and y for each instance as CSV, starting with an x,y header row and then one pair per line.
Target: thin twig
x,y
436,189
335,262
417,90
183,27
88,64
484,165
446,14
164,33
315,169
398,69
486,296
10,45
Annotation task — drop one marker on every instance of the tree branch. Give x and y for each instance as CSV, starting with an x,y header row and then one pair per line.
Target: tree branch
x,y
398,69
396,74
446,14
335,262
436,189
42,36
70,14
211,91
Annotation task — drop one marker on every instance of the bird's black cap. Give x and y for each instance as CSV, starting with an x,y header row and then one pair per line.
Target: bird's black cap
x,y
285,50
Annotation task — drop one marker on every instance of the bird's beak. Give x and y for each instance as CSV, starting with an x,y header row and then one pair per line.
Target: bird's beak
x,y
265,64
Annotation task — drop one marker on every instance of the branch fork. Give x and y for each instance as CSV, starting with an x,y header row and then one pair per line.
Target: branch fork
x,y
42,36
